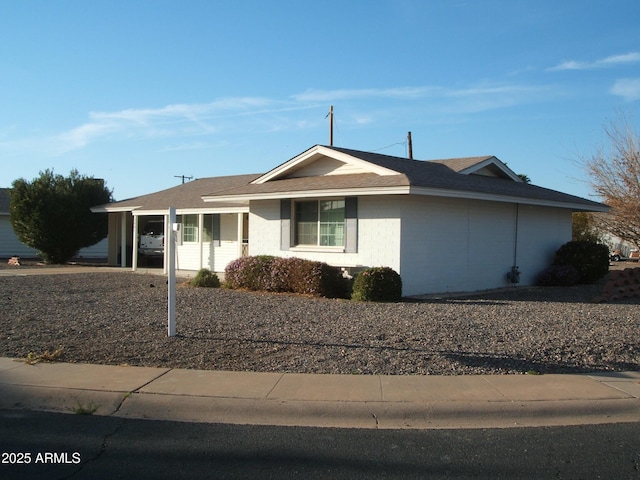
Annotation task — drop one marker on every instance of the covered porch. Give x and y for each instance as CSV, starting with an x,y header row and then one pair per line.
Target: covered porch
x,y
206,239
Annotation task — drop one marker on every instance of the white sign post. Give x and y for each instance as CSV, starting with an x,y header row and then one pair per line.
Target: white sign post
x,y
171,272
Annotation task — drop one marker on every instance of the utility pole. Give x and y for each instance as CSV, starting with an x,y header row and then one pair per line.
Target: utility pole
x,y
183,177
331,126
410,145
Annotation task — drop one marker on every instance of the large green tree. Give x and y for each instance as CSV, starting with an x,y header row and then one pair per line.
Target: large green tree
x,y
52,213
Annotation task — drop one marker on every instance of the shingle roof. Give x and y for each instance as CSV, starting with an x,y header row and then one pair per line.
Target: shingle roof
x,y
185,196
415,173
439,175
4,201
430,177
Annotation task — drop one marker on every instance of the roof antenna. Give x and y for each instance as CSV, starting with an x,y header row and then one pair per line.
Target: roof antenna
x,y
183,177
410,146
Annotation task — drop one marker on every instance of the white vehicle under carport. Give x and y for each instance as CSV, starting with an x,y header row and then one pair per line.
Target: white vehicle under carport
x,y
151,242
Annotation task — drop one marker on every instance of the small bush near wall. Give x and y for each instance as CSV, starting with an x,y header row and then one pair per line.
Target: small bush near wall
x,y
591,260
379,284
558,275
205,278
294,275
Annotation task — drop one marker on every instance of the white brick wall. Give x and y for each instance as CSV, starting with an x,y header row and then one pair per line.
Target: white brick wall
x,y
465,245
378,234
448,244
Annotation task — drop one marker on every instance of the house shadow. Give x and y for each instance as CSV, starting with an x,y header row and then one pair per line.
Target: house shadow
x,y
531,366
585,294
478,361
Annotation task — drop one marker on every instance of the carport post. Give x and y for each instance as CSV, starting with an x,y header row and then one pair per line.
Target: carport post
x,y
171,261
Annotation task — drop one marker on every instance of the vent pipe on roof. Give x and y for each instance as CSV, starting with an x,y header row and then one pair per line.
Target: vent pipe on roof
x,y
410,146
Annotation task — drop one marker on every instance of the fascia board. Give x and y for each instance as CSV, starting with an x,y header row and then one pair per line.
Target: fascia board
x,y
195,211
436,192
320,150
108,209
343,192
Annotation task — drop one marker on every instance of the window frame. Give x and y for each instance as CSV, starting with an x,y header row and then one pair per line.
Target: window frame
x,y
193,229
319,225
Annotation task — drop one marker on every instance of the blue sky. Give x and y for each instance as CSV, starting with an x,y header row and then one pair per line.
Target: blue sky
x,y
139,92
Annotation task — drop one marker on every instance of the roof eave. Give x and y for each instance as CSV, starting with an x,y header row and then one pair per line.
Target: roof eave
x,y
113,209
331,192
574,206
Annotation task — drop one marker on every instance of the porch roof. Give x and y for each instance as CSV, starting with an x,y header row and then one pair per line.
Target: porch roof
x,y
187,196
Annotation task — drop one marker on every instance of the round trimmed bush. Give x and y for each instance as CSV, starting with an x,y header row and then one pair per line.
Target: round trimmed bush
x,y
378,284
558,276
205,278
590,259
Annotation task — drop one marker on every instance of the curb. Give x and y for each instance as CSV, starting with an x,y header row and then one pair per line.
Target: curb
x,y
344,401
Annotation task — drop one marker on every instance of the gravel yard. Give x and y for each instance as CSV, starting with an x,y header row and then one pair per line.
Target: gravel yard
x,y
120,318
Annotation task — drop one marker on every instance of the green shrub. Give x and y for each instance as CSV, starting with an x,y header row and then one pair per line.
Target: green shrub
x,y
591,260
558,275
378,284
205,278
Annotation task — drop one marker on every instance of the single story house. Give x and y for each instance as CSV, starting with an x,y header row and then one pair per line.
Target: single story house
x,y
459,224
11,246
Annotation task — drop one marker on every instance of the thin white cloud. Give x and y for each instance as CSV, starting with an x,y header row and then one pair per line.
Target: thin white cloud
x,y
167,121
627,88
180,125
313,95
611,61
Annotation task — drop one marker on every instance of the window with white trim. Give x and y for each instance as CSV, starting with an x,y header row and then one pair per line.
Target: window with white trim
x,y
320,223
190,228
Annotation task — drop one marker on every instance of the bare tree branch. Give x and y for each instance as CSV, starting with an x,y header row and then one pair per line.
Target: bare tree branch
x,y
614,174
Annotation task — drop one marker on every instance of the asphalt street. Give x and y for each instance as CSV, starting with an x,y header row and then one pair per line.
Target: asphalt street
x,y
66,446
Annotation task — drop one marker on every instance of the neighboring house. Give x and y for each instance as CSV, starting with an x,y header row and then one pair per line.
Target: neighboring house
x,y
11,246
444,225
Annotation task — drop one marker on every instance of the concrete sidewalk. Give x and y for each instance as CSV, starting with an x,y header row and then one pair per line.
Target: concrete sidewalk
x,y
376,401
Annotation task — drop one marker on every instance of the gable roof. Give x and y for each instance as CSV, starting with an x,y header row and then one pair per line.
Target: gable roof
x,y
187,196
489,166
324,171
449,178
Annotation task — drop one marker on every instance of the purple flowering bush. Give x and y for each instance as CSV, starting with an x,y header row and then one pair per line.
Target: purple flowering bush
x,y
251,273
294,275
378,284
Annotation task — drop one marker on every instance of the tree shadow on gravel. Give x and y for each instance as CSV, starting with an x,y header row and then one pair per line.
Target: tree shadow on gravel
x,y
576,294
481,362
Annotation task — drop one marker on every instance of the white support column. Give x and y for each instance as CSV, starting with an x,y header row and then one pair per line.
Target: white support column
x,y
123,239
167,231
134,253
170,248
200,232
240,229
